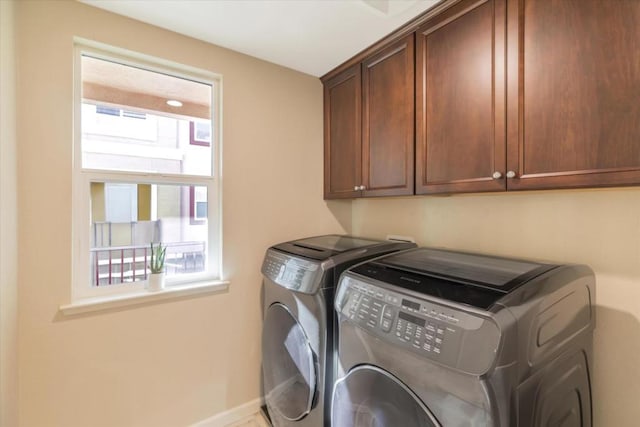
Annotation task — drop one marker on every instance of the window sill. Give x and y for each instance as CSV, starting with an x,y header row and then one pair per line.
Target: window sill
x,y
143,297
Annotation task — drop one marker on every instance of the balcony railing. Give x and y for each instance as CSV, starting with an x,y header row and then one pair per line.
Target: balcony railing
x,y
127,264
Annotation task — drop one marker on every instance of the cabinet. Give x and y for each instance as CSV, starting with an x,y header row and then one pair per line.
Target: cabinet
x,y
509,95
573,93
342,134
369,125
460,105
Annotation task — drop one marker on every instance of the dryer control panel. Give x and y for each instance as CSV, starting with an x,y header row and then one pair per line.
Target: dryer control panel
x,y
461,340
291,272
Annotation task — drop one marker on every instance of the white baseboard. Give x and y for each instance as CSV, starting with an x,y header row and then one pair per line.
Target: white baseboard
x,y
232,415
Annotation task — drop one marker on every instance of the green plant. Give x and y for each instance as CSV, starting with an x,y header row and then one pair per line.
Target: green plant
x,y
157,258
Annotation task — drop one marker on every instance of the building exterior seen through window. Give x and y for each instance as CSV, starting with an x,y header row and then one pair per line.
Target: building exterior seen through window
x,y
145,173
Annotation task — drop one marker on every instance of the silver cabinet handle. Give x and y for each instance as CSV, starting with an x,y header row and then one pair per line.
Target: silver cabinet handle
x,y
511,174
496,175
362,187
356,188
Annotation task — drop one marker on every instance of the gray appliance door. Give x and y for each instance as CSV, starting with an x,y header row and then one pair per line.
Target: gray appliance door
x,y
289,366
371,397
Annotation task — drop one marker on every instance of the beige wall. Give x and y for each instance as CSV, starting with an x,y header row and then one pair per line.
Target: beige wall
x,y
97,202
173,363
600,228
144,202
8,221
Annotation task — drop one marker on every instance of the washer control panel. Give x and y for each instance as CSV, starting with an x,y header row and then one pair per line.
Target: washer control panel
x,y
432,330
291,272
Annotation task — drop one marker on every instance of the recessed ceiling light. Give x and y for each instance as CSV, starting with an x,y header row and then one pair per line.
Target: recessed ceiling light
x,y
174,103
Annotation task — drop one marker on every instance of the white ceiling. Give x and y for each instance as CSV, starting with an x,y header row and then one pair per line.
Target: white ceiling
x,y
312,36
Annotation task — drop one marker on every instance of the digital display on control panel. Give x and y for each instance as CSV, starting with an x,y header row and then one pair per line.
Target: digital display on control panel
x,y
413,319
411,304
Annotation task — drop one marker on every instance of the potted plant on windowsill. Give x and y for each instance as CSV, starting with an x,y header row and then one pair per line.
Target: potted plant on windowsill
x,y
156,278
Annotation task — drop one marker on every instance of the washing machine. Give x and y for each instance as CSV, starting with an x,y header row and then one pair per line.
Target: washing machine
x,y
431,337
298,337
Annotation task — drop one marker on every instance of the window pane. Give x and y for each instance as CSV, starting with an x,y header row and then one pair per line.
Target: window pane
x,y
127,124
199,205
120,246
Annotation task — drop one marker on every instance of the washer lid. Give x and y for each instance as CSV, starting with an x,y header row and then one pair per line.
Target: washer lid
x,y
323,247
371,397
473,279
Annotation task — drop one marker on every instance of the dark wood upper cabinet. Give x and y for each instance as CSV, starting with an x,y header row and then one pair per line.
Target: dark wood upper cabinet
x,y
573,93
388,120
342,134
509,95
460,99
369,125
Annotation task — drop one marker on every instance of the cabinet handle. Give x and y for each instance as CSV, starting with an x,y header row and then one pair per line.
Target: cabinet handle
x,y
356,188
362,188
511,174
496,175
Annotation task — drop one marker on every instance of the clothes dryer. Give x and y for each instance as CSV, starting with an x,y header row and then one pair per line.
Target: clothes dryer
x,y
432,337
298,338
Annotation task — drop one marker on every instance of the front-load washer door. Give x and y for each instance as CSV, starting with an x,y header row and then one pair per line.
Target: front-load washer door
x,y
371,397
288,365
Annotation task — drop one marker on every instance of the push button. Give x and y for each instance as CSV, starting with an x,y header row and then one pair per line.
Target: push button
x,y
387,312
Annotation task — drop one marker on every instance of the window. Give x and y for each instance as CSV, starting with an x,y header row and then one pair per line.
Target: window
x,y
200,133
198,204
145,171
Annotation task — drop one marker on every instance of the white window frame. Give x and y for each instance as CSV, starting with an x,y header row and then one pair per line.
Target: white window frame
x,y
82,288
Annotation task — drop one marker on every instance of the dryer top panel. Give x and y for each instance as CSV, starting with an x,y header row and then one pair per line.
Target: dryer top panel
x,y
474,279
304,265
323,247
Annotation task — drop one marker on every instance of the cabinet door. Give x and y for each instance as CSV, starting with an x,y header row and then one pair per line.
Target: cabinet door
x,y
342,135
460,106
388,120
573,93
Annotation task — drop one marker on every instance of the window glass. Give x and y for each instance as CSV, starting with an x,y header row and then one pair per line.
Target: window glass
x,y
120,247
127,124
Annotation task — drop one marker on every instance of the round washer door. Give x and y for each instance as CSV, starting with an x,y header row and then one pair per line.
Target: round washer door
x,y
371,397
288,365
